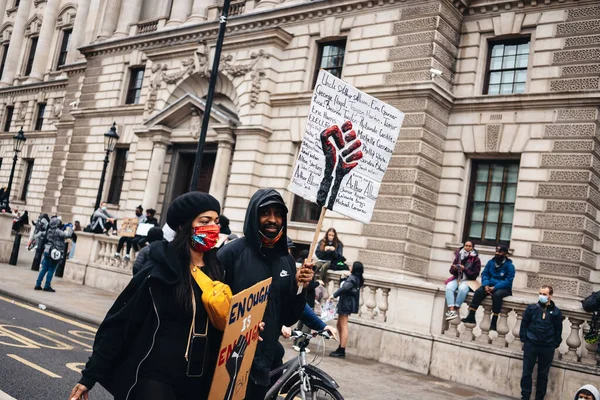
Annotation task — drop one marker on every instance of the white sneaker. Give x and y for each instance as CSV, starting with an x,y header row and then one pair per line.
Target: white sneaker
x,y
451,315
295,347
117,255
127,257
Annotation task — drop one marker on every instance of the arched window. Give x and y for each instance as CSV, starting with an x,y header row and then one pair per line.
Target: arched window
x,y
64,23
5,35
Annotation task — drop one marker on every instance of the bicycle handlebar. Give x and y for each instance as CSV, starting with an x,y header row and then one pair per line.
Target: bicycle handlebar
x,y
299,334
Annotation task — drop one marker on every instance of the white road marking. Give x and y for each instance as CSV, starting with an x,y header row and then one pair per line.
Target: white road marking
x,y
4,396
77,367
34,366
85,345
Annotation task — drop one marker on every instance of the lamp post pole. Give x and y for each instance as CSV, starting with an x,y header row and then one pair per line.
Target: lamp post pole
x,y
110,141
209,97
102,177
18,141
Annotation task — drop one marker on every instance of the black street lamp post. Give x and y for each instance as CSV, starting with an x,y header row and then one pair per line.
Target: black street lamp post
x,y
110,141
18,142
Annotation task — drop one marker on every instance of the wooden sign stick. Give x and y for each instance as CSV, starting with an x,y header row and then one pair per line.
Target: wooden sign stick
x,y
313,245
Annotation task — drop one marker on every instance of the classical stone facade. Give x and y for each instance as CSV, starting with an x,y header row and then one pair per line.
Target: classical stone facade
x,y
394,50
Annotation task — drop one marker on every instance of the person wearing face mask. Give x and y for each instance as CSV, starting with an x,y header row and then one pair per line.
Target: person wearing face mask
x,y
102,220
261,254
157,341
541,333
465,270
124,240
496,281
587,392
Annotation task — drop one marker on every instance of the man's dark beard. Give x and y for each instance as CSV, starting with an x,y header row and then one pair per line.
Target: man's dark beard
x,y
499,259
270,235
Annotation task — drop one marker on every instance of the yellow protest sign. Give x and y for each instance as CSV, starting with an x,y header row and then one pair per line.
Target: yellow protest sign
x,y
239,343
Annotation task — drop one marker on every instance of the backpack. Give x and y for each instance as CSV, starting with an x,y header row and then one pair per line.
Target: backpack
x,y
592,302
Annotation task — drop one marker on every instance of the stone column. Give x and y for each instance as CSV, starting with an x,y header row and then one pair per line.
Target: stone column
x,y
218,182
78,34
40,62
130,13
180,11
199,10
157,162
111,18
16,42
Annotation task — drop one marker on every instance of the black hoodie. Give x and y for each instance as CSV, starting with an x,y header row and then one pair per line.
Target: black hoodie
x,y
127,335
246,263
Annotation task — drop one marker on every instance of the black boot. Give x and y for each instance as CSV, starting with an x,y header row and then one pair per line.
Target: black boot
x,y
494,323
339,353
470,319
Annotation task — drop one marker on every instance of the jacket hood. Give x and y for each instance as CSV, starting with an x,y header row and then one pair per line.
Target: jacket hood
x,y
251,227
165,263
55,223
592,389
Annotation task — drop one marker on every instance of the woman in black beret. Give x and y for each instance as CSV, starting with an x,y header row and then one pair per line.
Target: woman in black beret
x,y
157,342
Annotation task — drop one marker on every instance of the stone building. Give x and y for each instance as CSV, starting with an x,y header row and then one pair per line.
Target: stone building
x,y
499,143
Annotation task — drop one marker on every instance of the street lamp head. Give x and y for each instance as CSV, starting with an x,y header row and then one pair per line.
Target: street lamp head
x,y
111,138
19,140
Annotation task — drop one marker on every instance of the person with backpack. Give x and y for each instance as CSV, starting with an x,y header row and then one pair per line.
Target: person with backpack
x,y
349,303
53,252
37,240
541,333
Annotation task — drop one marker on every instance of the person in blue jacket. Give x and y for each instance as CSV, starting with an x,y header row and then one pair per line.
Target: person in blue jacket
x,y
496,281
541,333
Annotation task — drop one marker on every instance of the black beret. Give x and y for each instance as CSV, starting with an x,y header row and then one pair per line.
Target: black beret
x,y
187,207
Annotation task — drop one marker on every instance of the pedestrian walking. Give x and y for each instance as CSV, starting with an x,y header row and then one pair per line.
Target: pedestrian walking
x,y
465,270
157,340
349,294
54,251
587,392
541,333
496,281
261,254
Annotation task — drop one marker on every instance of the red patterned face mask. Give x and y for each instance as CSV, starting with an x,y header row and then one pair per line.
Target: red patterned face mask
x,y
205,237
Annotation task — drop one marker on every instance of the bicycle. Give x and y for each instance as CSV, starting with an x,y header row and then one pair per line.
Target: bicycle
x,y
300,379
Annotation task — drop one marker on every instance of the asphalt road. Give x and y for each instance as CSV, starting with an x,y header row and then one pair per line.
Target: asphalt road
x,y
41,353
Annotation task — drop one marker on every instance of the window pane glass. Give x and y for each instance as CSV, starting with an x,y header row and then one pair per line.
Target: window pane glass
x,y
479,193
496,63
508,77
495,77
490,231
513,173
519,88
477,214
521,76
521,61
497,50
493,213
510,50
497,172
494,89
507,214
475,231
495,192
508,62
506,88
523,48
510,194
505,232
482,173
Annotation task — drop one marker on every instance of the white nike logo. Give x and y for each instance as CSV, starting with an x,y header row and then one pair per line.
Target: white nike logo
x,y
284,273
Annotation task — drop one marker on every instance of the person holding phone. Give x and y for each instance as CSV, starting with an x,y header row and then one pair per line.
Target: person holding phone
x,y
157,342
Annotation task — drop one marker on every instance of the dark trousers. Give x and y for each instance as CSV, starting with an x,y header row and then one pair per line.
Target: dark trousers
x,y
107,227
497,297
153,390
138,242
255,392
124,241
543,355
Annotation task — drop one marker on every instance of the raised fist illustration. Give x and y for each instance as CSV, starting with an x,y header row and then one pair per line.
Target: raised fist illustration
x,y
347,161
330,159
234,363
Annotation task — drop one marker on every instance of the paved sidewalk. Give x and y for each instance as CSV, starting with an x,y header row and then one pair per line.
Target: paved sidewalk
x,y
359,378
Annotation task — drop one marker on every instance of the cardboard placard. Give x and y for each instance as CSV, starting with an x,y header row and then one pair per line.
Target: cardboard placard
x,y
142,229
239,343
348,143
128,227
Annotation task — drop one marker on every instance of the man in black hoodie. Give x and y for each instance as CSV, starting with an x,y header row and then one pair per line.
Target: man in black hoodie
x,y
260,255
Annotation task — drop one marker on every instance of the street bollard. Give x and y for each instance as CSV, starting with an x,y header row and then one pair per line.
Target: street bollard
x,y
60,269
37,258
14,255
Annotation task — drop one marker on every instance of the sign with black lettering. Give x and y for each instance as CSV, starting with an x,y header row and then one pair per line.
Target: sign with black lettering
x,y
239,342
347,146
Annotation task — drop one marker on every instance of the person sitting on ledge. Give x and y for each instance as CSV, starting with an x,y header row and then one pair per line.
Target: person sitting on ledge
x,y
496,281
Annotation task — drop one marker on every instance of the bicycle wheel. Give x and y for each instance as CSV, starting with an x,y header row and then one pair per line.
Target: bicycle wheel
x,y
319,391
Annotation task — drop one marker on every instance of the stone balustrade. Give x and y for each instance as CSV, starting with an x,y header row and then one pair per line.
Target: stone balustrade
x,y
573,350
147,26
